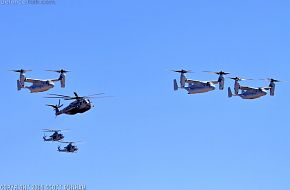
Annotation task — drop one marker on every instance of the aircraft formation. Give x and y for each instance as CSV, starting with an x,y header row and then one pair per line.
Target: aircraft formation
x,y
58,137
79,104
244,92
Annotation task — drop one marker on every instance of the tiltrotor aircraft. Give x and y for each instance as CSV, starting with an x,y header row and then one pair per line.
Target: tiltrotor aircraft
x,y
39,85
70,148
252,92
80,104
56,136
196,86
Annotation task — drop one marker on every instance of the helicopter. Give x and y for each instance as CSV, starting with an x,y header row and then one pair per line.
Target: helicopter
x,y
70,148
39,85
56,136
80,104
252,92
196,86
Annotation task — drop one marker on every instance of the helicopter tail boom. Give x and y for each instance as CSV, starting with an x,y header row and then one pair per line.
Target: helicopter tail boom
x,y
60,150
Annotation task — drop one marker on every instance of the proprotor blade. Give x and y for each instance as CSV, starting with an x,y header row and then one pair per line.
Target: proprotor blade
x,y
217,72
21,71
182,71
239,78
59,71
273,80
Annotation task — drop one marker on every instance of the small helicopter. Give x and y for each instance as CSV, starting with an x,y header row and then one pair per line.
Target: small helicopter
x,y
39,85
80,104
70,148
196,86
56,136
252,92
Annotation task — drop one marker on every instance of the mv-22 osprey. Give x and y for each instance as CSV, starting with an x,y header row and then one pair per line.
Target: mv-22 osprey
x,y
252,92
196,86
39,85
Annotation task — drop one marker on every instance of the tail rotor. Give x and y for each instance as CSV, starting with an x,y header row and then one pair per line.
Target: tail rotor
x,y
56,107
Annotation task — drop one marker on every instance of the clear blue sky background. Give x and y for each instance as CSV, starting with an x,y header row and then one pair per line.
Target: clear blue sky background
x,y
148,136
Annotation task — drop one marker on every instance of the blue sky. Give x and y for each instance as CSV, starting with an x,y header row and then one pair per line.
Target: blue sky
x,y
148,136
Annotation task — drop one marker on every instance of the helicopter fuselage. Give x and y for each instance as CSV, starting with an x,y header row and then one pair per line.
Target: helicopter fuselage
x,y
40,86
77,106
252,94
69,148
54,138
199,87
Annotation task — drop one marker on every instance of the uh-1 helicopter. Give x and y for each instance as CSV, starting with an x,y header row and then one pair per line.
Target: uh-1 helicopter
x,y
39,85
196,86
80,104
252,92
70,148
56,136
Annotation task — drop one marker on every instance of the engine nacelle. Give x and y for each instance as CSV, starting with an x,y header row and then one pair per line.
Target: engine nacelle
x,y
272,89
62,80
237,87
221,81
21,80
182,80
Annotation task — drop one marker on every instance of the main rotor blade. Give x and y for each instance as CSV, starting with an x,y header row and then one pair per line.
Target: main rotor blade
x,y
51,130
55,130
55,97
95,94
72,98
98,97
73,142
59,95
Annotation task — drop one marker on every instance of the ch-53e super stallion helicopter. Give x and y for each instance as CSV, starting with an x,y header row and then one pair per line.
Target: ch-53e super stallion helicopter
x,y
252,92
80,104
70,148
56,136
39,85
196,86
